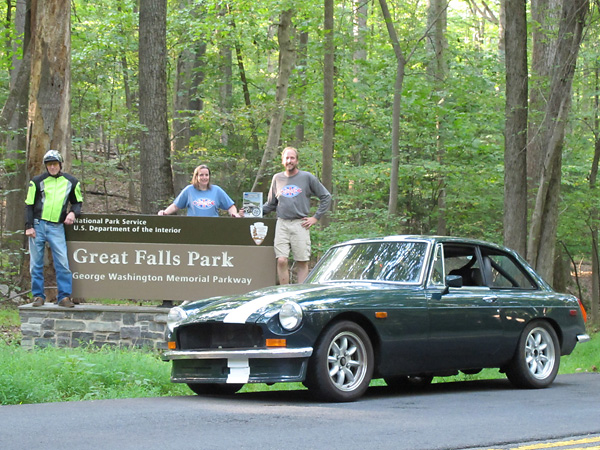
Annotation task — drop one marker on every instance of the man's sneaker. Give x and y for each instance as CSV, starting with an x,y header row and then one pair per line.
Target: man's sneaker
x,y
66,302
37,301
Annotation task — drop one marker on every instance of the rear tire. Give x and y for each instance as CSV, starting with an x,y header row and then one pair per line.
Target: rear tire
x,y
214,388
341,366
537,358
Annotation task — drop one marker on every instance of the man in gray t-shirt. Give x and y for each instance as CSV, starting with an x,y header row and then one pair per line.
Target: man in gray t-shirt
x,y
290,195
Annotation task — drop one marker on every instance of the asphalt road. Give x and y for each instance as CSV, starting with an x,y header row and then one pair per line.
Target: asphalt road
x,y
444,416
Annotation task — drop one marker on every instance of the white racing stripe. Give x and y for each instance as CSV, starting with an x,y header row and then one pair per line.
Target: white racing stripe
x,y
239,371
241,314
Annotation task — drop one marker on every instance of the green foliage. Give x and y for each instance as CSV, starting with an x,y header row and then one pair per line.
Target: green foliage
x,y
9,317
54,375
451,137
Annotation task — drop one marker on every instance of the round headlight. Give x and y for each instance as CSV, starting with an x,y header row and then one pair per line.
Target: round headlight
x,y
175,316
290,315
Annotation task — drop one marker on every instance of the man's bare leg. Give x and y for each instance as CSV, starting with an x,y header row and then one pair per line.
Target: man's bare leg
x,y
301,271
283,271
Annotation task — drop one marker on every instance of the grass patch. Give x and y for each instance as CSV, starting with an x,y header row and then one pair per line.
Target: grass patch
x,y
9,317
58,374
90,373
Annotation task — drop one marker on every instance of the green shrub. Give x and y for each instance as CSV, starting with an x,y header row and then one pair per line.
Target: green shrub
x,y
58,374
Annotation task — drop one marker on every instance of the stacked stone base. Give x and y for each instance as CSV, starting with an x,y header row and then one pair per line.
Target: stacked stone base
x,y
95,325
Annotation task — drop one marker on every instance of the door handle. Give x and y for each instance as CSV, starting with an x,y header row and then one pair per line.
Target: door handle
x,y
490,299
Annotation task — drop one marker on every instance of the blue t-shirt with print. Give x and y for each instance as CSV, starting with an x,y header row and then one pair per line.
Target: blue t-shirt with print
x,y
203,203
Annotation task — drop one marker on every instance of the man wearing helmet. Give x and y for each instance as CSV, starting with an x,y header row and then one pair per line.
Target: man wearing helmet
x,y
45,216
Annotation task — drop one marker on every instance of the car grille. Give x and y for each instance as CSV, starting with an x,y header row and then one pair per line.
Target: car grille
x,y
219,335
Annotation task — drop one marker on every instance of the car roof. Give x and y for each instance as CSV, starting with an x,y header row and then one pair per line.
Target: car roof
x,y
426,238
432,240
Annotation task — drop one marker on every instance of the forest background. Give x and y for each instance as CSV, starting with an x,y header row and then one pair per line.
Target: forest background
x,y
475,118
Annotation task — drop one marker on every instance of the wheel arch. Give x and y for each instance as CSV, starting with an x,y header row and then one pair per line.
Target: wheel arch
x,y
365,324
554,324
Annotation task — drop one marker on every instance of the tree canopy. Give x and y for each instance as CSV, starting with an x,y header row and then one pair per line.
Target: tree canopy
x,y
223,64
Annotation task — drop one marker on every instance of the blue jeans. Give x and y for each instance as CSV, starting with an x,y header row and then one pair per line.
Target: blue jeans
x,y
54,235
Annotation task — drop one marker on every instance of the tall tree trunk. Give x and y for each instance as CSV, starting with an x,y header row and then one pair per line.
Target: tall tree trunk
x,y
183,95
595,300
438,71
181,119
502,28
544,219
300,113
245,88
515,129
50,85
401,62
49,124
328,99
16,139
545,15
155,165
130,160
361,13
12,239
286,64
225,82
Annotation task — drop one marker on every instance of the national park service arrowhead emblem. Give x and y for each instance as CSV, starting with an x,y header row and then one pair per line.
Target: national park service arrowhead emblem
x,y
258,231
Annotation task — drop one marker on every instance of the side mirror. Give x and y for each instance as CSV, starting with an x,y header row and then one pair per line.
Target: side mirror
x,y
454,281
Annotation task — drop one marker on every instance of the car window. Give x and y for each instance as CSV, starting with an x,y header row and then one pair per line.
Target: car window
x,y
437,270
377,261
463,260
505,272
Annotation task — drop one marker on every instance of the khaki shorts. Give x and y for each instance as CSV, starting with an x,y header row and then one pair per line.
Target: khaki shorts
x,y
290,235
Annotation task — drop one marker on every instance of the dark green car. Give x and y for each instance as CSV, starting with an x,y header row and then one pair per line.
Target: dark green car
x,y
401,308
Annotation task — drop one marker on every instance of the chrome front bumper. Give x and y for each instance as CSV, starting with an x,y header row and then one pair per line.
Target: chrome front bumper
x,y
266,353
239,366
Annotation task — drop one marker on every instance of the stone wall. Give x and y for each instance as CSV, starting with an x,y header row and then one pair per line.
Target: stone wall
x,y
98,325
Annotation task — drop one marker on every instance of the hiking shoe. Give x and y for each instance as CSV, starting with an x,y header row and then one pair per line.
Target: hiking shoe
x,y
66,302
37,301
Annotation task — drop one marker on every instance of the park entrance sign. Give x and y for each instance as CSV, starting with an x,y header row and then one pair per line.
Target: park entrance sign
x,y
169,257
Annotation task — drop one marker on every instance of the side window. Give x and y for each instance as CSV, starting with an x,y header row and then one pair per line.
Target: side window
x,y
437,271
507,273
462,260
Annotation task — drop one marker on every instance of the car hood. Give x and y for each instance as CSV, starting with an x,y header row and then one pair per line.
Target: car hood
x,y
267,301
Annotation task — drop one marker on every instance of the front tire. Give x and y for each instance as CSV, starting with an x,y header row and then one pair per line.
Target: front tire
x,y
341,366
537,358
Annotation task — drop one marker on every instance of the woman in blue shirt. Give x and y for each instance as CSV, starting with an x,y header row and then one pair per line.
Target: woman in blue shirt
x,y
201,198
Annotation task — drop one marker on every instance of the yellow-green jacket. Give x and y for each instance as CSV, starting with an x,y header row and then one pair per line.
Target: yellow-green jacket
x,y
48,198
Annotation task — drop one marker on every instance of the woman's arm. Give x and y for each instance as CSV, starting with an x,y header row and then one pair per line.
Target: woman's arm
x,y
233,212
171,209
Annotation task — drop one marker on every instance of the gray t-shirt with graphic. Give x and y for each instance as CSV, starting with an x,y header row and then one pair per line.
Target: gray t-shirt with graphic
x,y
290,196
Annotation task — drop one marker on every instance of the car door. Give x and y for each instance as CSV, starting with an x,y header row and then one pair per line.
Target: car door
x,y
465,322
517,293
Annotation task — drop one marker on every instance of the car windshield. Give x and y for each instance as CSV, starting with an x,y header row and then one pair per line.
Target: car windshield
x,y
377,261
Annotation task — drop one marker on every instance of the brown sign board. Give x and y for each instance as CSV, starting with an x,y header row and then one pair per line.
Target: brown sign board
x,y
148,257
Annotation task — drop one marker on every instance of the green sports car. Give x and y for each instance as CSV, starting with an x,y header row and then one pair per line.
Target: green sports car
x,y
401,308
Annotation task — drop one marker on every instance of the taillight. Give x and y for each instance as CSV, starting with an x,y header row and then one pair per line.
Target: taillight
x,y
583,313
